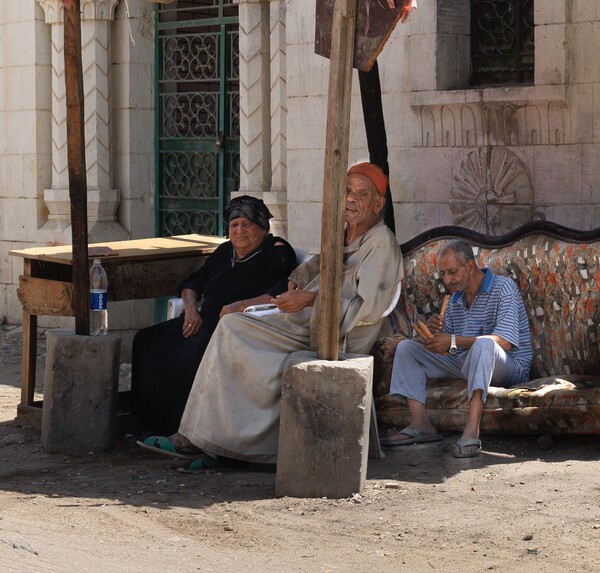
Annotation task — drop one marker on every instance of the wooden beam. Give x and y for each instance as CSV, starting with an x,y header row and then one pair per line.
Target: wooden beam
x,y
45,298
76,163
334,183
130,281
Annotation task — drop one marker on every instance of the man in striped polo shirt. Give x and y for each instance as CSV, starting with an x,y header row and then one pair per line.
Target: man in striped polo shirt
x,y
483,338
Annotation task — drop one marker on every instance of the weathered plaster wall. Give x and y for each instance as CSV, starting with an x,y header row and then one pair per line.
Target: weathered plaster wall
x,y
118,62
540,145
537,145
25,125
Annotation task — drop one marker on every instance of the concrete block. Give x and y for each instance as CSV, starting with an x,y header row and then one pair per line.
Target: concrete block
x,y
596,115
304,225
414,218
453,17
13,179
585,11
549,12
80,392
558,173
431,172
596,217
21,127
11,12
590,183
307,118
550,54
300,23
585,41
324,428
574,216
138,216
424,20
305,174
423,62
19,50
141,89
394,71
307,72
17,219
14,96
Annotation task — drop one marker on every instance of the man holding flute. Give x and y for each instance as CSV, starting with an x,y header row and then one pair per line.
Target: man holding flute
x,y
483,338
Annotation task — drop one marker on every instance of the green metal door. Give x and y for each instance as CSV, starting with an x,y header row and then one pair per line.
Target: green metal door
x,y
197,103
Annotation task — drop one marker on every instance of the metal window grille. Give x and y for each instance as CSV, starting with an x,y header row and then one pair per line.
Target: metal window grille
x,y
502,42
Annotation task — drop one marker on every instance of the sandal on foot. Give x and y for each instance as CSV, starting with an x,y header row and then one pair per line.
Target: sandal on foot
x,y
200,464
162,445
395,438
467,448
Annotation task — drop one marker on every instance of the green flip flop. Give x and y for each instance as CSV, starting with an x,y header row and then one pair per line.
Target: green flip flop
x,y
162,445
201,464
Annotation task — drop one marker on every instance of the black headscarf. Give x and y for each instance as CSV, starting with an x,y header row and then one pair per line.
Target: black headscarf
x,y
250,208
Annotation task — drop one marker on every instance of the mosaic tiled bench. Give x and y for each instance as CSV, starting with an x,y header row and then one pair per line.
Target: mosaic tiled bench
x,y
558,272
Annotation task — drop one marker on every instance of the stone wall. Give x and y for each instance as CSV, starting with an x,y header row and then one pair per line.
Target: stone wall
x,y
486,159
25,138
118,60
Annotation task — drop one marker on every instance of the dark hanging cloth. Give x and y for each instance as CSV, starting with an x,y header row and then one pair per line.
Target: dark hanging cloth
x,y
370,95
164,362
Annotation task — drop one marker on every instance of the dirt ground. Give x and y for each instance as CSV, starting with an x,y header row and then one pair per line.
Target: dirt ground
x,y
523,505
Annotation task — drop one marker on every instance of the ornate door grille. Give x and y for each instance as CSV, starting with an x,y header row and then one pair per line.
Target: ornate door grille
x,y
502,41
197,103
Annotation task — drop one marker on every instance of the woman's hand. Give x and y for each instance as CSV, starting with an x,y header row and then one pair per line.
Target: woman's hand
x,y
294,300
192,320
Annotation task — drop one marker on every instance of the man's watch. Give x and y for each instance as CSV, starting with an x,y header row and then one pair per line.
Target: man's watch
x,y
453,348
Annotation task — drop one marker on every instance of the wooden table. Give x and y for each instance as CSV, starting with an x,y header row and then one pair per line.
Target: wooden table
x,y
136,269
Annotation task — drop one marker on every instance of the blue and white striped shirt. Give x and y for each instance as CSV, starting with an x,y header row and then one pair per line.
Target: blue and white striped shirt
x,y
497,309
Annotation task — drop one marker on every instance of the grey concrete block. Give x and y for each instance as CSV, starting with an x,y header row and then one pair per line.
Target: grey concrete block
x,y
324,428
80,392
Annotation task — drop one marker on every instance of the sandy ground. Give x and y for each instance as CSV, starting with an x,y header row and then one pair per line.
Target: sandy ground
x,y
518,507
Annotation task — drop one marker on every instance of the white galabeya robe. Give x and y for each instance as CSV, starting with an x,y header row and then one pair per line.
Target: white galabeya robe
x,y
233,407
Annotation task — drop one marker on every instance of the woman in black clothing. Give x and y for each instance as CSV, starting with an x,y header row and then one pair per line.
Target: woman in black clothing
x,y
251,268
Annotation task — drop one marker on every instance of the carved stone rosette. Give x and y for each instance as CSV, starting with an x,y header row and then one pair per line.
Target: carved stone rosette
x,y
492,192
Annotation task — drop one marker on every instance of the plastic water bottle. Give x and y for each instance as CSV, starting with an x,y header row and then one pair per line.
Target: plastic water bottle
x,y
98,308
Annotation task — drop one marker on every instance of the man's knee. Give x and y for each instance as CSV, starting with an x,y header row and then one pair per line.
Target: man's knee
x,y
405,349
484,346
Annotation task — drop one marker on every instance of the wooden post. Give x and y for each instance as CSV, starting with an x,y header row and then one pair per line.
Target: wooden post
x,y
76,163
334,184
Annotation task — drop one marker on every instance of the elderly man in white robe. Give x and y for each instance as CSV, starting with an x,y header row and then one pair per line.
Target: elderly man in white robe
x,y
233,409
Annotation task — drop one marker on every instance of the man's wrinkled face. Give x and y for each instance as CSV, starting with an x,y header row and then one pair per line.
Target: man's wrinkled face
x,y
455,274
363,203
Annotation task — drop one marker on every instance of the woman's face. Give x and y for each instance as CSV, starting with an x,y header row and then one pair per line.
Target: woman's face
x,y
245,235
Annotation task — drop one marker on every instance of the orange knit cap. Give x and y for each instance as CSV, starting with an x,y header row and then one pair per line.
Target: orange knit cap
x,y
372,172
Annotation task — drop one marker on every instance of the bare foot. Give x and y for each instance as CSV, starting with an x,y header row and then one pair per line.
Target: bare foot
x,y
180,442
